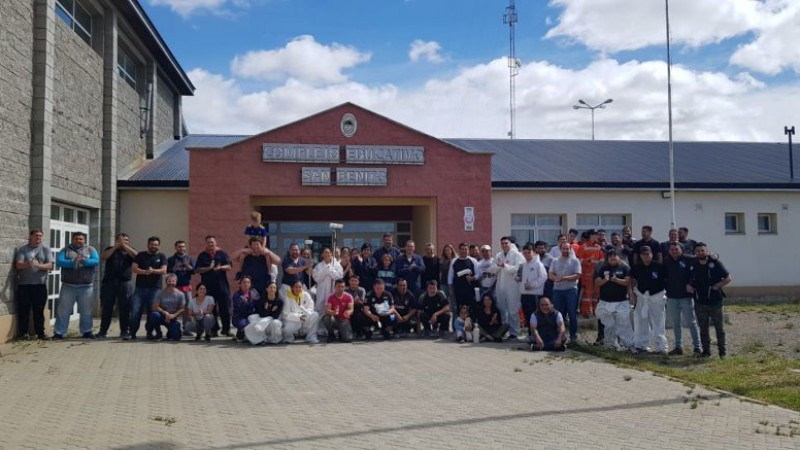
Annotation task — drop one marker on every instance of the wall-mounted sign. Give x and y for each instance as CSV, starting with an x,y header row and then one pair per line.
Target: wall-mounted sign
x,y
316,176
297,153
384,154
469,218
349,125
360,177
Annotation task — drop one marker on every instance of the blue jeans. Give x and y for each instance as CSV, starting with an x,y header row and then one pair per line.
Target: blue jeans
x,y
681,313
157,321
71,293
142,297
566,301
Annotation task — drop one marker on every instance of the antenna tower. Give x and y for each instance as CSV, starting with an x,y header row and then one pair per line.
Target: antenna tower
x,y
510,19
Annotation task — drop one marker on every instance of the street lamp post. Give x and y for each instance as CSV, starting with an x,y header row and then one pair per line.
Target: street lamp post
x,y
583,105
790,132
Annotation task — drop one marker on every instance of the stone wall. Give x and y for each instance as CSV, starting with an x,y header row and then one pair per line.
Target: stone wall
x,y
16,92
130,146
78,115
165,112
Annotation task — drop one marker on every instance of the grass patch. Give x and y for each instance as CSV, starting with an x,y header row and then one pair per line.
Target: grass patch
x,y
765,377
792,308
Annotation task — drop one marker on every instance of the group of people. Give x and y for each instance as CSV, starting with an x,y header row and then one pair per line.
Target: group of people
x,y
355,293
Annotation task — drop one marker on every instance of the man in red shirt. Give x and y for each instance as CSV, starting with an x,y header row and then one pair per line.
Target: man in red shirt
x,y
338,311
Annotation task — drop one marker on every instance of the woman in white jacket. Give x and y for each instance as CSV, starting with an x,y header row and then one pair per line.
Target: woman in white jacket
x,y
298,315
507,290
531,276
325,273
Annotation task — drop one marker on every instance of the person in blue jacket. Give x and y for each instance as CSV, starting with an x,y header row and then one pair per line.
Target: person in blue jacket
x,y
78,263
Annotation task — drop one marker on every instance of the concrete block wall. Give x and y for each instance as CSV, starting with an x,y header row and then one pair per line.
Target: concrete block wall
x,y
165,114
78,115
16,95
130,144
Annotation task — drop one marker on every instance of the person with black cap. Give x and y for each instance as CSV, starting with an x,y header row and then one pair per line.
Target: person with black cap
x,y
648,288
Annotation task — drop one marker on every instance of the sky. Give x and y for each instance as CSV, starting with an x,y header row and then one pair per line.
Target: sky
x,y
441,66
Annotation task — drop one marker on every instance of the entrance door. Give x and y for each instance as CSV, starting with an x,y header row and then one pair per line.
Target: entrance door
x,y
64,221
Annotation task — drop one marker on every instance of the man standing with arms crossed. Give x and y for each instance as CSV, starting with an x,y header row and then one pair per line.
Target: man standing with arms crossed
x,y
707,277
565,272
680,305
149,266
32,261
213,266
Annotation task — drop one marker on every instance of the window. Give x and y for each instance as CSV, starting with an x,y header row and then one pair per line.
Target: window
x,y
612,223
536,227
767,223
126,68
734,223
76,17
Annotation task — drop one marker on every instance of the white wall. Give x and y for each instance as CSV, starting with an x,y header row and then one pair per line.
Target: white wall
x,y
753,259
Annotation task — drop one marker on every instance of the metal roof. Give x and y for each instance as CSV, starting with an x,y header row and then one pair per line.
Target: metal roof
x,y
170,165
582,163
543,163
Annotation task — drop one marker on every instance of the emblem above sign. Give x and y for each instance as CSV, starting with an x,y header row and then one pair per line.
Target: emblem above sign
x,y
349,125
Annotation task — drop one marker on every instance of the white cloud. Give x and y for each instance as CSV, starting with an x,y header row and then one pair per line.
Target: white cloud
x,y
615,25
474,103
775,47
302,58
188,7
428,51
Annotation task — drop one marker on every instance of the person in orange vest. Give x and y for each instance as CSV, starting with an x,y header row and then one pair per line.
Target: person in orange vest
x,y
590,253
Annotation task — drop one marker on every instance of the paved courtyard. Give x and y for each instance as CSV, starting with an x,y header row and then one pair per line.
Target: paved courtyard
x,y
399,394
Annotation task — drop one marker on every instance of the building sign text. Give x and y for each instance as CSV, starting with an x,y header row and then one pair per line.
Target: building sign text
x,y
300,153
360,177
384,154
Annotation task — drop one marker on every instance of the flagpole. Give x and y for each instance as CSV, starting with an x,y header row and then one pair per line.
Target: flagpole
x,y
669,109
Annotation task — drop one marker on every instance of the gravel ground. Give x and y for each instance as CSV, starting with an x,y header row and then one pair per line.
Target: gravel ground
x,y
746,333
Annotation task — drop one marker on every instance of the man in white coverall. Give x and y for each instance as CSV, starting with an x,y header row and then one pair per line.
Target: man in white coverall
x,y
505,267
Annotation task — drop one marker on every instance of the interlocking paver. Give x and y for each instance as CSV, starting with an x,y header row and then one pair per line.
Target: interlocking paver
x,y
397,394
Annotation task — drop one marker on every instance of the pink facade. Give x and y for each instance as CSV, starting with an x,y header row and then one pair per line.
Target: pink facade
x,y
225,184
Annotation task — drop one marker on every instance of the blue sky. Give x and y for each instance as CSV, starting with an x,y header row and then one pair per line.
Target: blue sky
x,y
260,60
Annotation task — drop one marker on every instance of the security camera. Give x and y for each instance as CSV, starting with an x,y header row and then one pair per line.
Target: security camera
x,y
335,226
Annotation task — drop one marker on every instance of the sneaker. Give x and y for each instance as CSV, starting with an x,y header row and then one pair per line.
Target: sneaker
x,y
312,341
460,340
100,336
511,337
126,337
58,337
133,337
88,335
676,351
